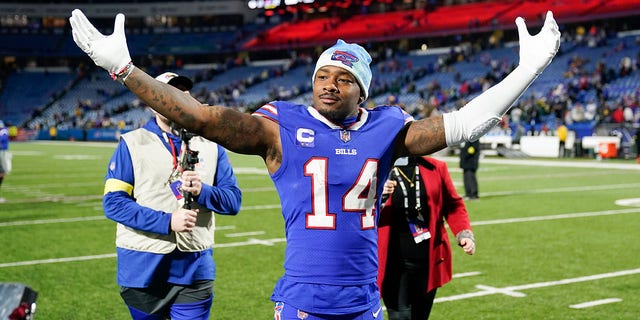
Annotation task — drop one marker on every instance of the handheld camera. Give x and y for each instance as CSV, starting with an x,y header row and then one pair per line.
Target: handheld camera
x,y
188,162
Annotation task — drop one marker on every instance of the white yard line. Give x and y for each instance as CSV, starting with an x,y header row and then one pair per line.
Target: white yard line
x,y
557,216
563,189
594,303
467,274
49,221
553,163
244,234
263,207
101,217
58,260
251,242
514,291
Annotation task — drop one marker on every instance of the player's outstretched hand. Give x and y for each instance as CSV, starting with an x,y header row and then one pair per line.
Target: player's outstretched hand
x,y
536,52
109,52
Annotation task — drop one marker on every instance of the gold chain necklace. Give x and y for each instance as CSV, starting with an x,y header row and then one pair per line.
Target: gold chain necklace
x,y
407,178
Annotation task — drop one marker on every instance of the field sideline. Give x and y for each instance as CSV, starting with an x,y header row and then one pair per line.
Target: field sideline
x,y
557,239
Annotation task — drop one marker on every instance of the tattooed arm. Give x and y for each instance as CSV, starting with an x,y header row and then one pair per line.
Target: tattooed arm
x,y
421,137
234,130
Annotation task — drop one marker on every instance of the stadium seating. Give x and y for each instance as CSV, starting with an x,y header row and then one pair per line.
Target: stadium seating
x,y
443,20
42,98
27,92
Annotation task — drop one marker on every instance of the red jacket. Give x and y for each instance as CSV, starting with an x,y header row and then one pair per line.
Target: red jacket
x,y
445,204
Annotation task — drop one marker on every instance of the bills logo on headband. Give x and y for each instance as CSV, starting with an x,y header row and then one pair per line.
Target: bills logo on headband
x,y
346,58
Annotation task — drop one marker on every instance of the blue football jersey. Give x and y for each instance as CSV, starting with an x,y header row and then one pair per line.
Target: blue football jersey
x,y
328,184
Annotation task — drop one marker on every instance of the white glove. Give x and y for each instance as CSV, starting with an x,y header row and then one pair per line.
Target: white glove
x,y
536,52
482,113
108,52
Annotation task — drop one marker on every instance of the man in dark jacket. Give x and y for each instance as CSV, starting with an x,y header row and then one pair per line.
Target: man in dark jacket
x,y
469,159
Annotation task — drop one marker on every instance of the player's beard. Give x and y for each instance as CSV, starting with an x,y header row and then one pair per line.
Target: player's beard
x,y
341,108
335,115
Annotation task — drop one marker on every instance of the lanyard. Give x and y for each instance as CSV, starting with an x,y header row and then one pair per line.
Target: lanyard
x,y
417,226
173,150
405,192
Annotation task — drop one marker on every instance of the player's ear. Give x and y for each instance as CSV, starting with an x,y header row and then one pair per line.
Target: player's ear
x,y
360,100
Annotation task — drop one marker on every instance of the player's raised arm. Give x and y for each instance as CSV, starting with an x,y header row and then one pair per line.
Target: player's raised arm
x,y
482,113
236,131
226,126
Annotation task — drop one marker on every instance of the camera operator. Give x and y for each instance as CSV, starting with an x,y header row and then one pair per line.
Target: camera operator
x,y
162,187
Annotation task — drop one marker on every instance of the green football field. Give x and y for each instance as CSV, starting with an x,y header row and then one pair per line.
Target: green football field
x,y
557,239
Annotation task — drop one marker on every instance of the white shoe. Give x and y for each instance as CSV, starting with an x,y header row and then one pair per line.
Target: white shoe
x,y
3,200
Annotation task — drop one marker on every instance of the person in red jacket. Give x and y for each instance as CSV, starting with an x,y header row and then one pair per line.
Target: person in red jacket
x,y
413,244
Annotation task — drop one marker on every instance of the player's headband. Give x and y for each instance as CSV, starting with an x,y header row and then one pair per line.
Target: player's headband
x,y
349,56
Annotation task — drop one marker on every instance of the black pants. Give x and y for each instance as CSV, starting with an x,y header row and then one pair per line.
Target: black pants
x,y
404,290
157,300
470,183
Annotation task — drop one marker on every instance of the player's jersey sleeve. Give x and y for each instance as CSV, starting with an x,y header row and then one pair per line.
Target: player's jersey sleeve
x,y
118,200
407,117
269,111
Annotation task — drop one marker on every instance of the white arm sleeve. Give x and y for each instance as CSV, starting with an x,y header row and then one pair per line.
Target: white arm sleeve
x,y
486,110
